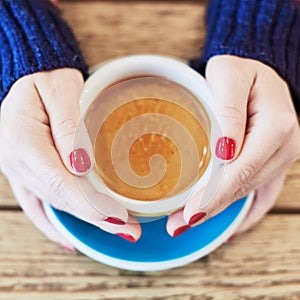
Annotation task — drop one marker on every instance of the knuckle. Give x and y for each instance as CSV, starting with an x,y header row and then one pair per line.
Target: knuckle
x,y
290,126
65,128
243,191
57,186
244,173
219,202
231,114
229,67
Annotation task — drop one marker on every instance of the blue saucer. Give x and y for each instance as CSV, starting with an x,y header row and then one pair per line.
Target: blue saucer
x,y
156,250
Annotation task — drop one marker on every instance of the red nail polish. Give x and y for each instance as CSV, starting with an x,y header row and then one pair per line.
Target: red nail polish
x,y
126,237
181,230
231,238
114,220
79,160
68,249
225,148
196,218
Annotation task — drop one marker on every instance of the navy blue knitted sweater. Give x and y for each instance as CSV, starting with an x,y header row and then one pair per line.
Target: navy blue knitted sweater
x,y
33,37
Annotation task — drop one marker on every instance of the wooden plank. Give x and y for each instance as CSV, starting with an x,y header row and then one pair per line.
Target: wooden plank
x,y
263,263
110,29
289,199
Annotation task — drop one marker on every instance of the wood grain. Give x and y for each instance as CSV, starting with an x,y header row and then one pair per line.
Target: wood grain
x,y
261,264
109,29
289,199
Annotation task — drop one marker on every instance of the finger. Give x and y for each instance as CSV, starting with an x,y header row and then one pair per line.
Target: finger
x,y
231,90
33,209
176,224
260,143
131,231
277,163
266,197
238,180
41,170
43,167
191,213
60,91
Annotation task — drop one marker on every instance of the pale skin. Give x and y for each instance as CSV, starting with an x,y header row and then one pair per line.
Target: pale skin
x,y
38,123
40,115
254,107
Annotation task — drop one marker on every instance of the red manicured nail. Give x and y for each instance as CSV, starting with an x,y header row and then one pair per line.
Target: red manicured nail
x,y
79,160
126,237
181,230
68,249
231,238
196,218
114,220
225,148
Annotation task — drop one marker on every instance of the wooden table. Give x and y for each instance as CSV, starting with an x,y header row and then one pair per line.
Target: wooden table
x,y
262,264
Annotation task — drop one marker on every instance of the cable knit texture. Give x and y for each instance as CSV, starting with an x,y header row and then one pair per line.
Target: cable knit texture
x,y
266,30
33,38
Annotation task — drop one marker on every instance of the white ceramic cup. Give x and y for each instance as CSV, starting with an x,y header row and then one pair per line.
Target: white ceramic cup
x,y
116,70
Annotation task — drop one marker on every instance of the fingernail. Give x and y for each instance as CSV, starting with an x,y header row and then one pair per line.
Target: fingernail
x,y
196,218
68,249
126,237
79,160
225,148
114,220
231,238
181,230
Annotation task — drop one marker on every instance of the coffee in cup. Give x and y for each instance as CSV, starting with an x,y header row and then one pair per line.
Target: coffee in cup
x,y
149,120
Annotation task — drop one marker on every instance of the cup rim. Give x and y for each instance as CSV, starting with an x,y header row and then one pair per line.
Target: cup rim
x,y
169,68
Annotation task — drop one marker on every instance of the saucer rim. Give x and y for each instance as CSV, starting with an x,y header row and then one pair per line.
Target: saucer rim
x,y
149,266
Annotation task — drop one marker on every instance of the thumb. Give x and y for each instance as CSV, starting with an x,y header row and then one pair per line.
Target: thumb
x,y
60,90
230,87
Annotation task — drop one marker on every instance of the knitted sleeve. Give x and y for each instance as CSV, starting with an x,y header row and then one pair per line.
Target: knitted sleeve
x,y
33,38
266,30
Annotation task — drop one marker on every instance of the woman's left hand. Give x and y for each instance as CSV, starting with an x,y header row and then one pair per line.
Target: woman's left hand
x,y
261,140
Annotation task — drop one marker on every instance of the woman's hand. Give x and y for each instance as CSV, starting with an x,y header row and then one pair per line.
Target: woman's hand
x,y
261,140
39,118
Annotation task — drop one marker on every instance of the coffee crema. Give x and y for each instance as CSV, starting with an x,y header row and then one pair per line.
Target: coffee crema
x,y
150,148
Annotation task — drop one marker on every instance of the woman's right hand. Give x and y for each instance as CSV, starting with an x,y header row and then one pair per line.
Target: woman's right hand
x,y
38,121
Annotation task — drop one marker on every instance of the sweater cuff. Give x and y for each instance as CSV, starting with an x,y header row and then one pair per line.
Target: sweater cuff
x,y
33,38
266,30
